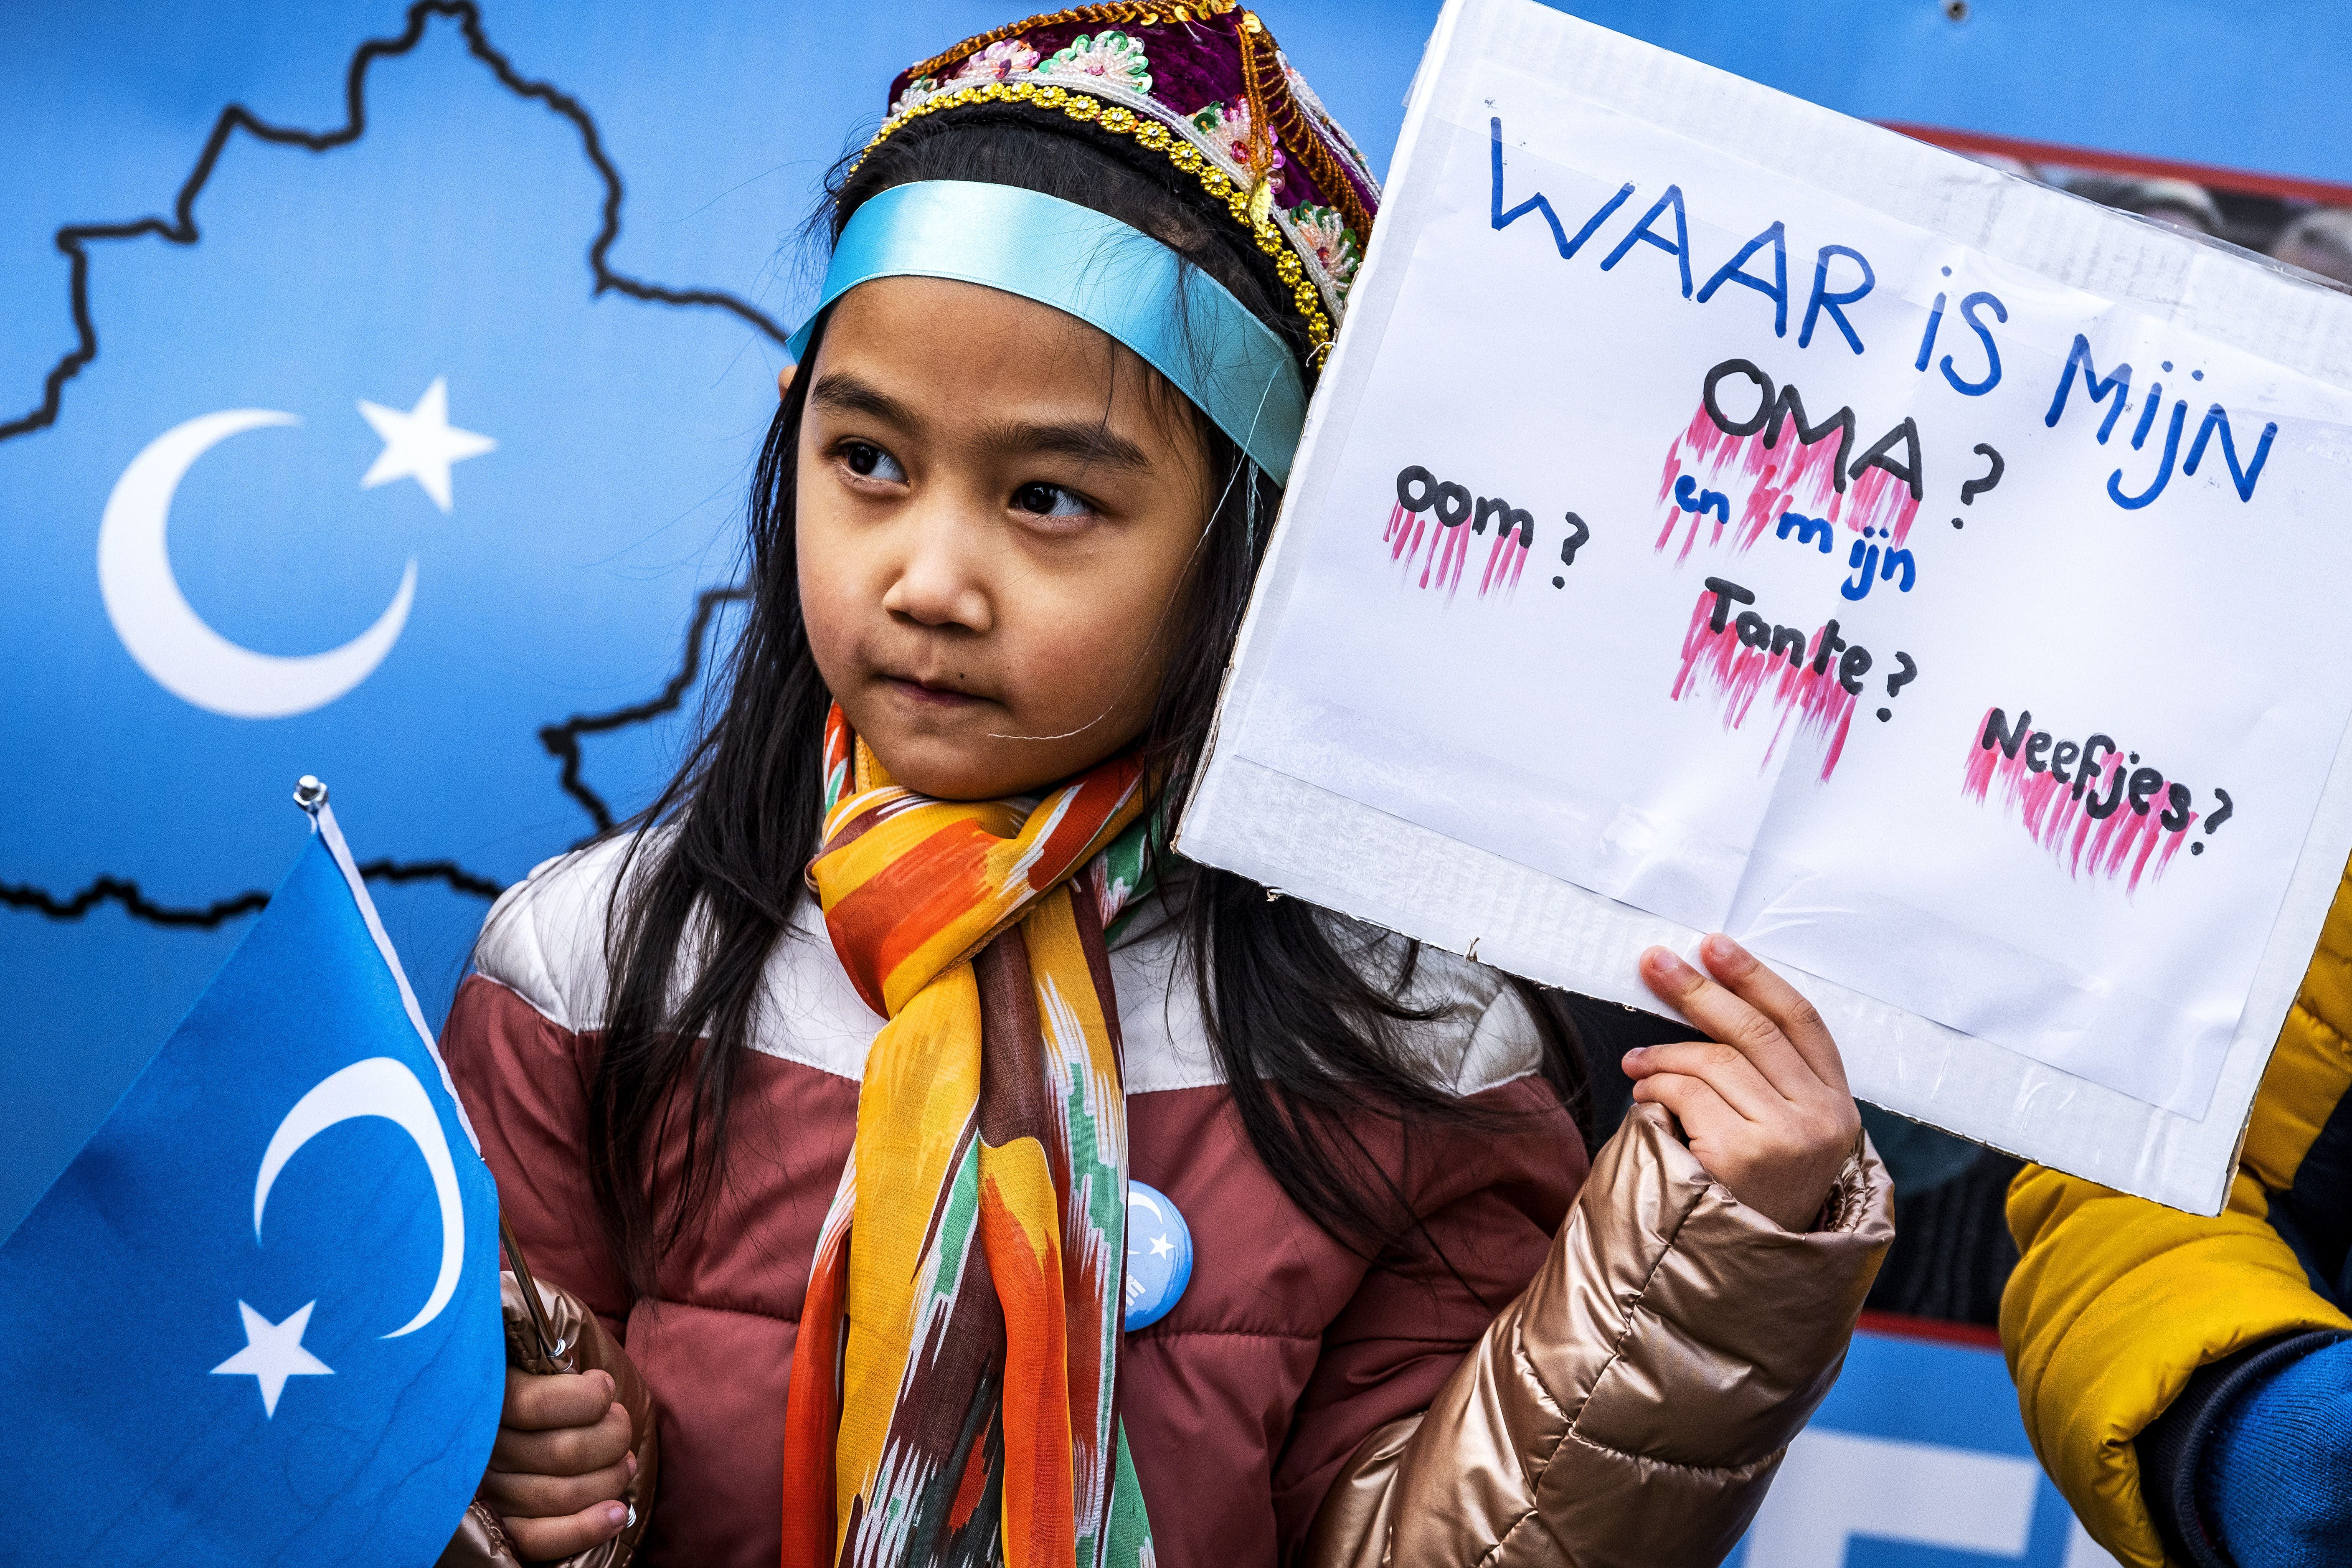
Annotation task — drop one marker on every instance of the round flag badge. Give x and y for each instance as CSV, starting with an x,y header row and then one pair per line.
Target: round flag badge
x,y
1158,1255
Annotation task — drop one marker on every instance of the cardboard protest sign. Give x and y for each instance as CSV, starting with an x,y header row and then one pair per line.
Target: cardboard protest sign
x,y
1720,514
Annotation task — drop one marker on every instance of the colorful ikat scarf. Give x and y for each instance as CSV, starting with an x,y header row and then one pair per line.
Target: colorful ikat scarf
x,y
955,1388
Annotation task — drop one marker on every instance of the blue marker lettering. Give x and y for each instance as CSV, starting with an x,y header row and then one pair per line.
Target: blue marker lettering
x,y
1679,249
1777,291
2215,419
2163,474
2119,384
1984,334
1927,338
1865,559
2150,407
1568,247
1824,300
1809,529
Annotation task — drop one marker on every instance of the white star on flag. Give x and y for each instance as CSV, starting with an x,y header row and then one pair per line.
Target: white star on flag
x,y
421,444
1159,1246
273,1353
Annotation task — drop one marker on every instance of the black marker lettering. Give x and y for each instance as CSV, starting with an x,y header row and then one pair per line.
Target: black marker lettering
x,y
1851,668
1725,594
1998,732
2089,774
1416,475
1828,643
1764,403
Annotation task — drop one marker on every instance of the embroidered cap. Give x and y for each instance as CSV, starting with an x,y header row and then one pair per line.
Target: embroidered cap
x,y
1203,84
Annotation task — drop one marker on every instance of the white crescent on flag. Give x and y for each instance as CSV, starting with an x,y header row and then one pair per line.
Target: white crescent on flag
x,y
380,1086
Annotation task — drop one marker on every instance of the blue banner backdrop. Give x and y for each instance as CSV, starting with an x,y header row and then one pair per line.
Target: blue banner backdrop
x,y
392,374
1916,1459
394,395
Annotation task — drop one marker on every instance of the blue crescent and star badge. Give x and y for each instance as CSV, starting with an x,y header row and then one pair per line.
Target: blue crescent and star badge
x,y
1158,1255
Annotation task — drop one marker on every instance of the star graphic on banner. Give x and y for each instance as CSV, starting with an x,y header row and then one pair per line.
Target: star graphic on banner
x,y
273,1353
421,444
1159,1247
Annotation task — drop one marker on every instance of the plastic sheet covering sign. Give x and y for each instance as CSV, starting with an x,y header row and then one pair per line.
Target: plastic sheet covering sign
x,y
1721,514
1916,1459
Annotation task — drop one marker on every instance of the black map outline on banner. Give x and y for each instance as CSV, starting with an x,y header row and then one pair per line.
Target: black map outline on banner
x,y
562,741
73,237
120,890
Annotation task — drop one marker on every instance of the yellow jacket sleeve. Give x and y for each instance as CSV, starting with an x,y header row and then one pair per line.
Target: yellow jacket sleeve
x,y
2116,1301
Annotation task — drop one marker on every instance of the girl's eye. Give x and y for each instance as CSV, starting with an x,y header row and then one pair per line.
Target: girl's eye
x,y
871,462
1042,500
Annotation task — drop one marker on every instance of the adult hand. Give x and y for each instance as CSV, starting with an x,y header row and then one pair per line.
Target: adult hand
x,y
561,1460
1764,1105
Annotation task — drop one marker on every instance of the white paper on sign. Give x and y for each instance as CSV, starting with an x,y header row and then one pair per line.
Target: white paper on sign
x,y
1720,514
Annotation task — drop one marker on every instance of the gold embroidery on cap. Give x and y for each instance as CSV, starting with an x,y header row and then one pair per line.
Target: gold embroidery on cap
x,y
1247,207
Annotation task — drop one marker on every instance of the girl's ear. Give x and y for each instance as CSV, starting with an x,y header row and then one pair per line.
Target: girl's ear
x,y
784,382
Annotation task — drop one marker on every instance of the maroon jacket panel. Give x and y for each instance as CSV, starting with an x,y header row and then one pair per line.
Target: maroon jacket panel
x,y
1286,1351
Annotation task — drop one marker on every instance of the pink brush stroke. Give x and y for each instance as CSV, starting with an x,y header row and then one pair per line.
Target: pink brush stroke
x,y
2126,845
1737,675
1778,478
1449,553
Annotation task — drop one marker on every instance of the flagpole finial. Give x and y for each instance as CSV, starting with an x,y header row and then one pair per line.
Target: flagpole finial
x,y
309,793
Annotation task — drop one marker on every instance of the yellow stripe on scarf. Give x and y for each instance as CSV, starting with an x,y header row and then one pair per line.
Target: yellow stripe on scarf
x,y
918,1097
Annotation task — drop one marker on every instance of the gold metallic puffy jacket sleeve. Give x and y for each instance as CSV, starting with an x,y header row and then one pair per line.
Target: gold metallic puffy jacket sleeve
x,y
1631,1406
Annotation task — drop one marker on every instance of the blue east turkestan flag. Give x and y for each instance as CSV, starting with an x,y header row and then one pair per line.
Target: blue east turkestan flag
x,y
257,1320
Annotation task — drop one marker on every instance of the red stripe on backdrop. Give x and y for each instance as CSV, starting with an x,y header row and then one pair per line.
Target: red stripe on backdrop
x,y
1974,1335
2327,192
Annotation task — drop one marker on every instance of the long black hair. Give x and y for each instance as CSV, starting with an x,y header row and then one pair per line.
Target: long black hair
x,y
1311,1038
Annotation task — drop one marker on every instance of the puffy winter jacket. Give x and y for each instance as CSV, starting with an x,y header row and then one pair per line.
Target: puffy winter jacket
x,y
1603,1377
2128,1324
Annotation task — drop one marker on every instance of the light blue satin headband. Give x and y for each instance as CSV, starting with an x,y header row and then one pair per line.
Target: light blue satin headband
x,y
1095,268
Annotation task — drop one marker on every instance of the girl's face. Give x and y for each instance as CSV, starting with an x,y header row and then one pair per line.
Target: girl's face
x,y
997,515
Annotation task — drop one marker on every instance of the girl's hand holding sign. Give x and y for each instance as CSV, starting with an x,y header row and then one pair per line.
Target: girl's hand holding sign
x,y
1765,1105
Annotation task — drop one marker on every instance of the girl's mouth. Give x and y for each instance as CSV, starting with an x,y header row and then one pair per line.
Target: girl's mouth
x,y
932,695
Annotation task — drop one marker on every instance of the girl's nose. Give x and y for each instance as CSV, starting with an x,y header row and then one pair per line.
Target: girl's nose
x,y
939,582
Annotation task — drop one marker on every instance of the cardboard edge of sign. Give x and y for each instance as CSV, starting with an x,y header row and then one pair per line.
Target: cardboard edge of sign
x,y
1311,843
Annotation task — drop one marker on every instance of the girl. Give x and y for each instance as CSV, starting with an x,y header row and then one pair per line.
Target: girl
x,y
868,1092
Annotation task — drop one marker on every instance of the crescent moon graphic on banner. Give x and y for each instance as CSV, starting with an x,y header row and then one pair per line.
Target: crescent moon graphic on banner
x,y
163,631
380,1086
